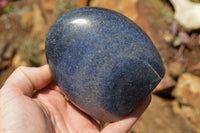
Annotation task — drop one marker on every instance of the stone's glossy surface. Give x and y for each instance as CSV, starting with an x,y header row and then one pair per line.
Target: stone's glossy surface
x,y
103,61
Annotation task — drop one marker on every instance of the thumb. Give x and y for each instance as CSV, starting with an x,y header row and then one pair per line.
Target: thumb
x,y
25,79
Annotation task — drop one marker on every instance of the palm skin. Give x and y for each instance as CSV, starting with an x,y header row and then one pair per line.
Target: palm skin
x,y
48,111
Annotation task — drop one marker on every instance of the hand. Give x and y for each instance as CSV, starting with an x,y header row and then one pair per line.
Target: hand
x,y
48,111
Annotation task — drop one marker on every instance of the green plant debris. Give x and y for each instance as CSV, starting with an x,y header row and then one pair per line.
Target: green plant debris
x,y
167,14
7,9
63,6
176,42
196,1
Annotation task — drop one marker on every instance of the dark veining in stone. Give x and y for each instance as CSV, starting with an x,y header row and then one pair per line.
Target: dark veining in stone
x,y
103,61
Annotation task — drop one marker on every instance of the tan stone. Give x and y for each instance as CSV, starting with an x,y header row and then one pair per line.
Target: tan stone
x,y
189,113
175,69
187,90
192,115
26,19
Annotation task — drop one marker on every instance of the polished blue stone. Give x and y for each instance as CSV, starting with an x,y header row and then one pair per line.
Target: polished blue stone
x,y
104,62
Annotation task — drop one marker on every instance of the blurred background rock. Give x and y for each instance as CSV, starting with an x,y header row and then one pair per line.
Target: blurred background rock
x,y
175,107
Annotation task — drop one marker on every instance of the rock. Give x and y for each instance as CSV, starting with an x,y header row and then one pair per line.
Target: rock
x,y
159,118
176,69
187,90
176,107
195,69
192,115
26,19
106,64
189,114
187,13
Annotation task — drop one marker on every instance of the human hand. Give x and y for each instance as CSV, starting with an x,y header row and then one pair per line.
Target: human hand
x,y
48,111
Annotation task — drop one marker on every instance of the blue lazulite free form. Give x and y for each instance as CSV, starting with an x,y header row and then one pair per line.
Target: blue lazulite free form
x,y
104,63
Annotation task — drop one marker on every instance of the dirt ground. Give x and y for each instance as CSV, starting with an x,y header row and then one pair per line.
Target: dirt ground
x,y
175,107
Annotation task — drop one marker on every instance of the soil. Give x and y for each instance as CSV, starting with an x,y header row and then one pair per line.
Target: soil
x,y
25,23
